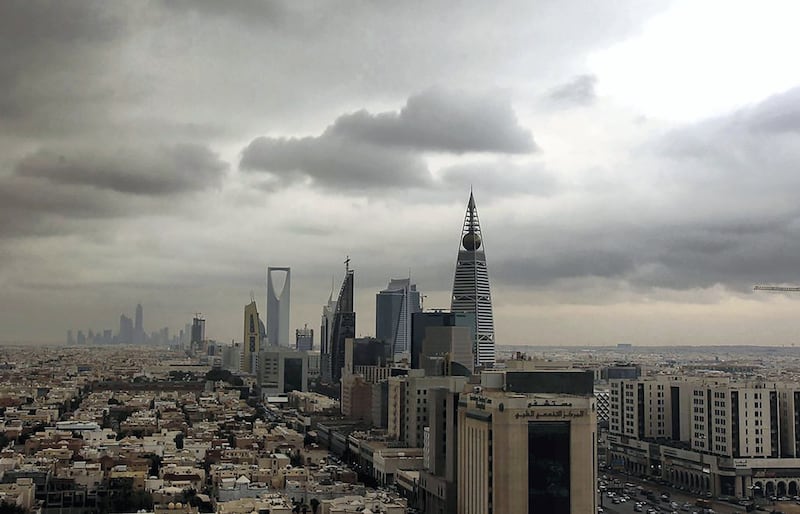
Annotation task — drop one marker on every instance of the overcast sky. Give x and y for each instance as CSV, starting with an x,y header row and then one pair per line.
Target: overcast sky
x,y
635,164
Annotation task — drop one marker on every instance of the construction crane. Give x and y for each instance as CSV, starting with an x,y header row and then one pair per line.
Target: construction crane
x,y
777,289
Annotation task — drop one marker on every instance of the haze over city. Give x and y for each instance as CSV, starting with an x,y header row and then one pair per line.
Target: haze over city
x,y
634,165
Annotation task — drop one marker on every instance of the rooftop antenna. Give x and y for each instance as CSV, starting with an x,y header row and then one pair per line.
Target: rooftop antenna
x,y
252,296
347,264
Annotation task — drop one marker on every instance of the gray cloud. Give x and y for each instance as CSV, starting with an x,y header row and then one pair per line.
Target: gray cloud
x,y
30,207
578,91
778,113
159,171
363,151
440,120
333,162
661,256
54,61
498,179
719,207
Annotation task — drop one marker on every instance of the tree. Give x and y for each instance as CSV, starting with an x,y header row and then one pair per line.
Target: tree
x,y
11,508
179,440
314,505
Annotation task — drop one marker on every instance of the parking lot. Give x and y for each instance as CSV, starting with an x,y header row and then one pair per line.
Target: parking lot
x,y
681,498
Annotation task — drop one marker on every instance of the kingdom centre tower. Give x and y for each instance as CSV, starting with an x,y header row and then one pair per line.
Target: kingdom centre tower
x,y
471,293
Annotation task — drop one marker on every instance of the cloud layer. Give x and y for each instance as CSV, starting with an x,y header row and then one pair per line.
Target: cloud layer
x,y
363,151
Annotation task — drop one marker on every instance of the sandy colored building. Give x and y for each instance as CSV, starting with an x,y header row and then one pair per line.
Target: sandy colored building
x,y
526,443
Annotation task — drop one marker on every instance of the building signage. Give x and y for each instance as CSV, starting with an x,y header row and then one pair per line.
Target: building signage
x,y
560,413
740,463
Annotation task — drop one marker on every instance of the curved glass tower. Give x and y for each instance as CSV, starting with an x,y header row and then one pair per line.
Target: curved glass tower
x,y
471,291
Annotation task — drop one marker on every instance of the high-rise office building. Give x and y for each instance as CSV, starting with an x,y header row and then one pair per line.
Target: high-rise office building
x,y
252,338
304,339
394,307
70,339
528,431
198,332
138,327
471,292
422,321
326,326
344,326
279,281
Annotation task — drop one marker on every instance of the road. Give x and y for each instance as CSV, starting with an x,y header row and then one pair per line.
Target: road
x,y
680,497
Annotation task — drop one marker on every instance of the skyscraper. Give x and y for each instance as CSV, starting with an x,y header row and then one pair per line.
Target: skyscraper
x,y
278,297
394,307
252,338
125,329
304,339
421,322
138,327
344,326
326,326
198,331
471,291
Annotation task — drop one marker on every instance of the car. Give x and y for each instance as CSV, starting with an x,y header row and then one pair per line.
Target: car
x,y
638,508
600,509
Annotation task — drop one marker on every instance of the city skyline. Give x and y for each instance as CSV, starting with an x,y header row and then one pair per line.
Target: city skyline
x,y
634,163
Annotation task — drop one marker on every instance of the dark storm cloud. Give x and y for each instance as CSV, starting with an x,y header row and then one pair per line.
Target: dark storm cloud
x,y
159,171
578,91
333,162
31,207
446,121
677,257
362,150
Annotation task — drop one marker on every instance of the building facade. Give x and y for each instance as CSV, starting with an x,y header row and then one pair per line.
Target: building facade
x,y
282,370
521,449
709,435
304,339
394,307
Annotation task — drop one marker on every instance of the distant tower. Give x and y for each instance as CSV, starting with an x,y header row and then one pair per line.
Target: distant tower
x,y
394,307
471,286
198,331
252,338
138,327
125,330
304,339
279,281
